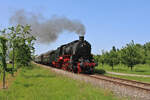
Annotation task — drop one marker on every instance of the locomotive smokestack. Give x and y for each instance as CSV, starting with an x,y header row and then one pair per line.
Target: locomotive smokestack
x,y
81,38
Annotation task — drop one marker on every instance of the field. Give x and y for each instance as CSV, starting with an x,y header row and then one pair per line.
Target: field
x,y
37,83
138,69
140,79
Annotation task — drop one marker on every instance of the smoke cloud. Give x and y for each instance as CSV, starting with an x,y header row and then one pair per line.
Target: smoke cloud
x,y
47,30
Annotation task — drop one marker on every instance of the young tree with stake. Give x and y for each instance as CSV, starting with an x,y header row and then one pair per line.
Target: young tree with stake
x,y
3,49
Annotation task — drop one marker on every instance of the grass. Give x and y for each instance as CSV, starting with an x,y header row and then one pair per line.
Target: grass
x,y
9,77
41,84
140,79
138,69
141,69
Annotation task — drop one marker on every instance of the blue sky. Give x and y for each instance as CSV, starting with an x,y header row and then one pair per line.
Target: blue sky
x,y
108,22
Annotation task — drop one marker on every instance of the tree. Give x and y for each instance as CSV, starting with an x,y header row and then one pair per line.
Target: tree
x,y
22,43
147,52
12,36
147,57
3,49
113,58
96,58
102,58
130,55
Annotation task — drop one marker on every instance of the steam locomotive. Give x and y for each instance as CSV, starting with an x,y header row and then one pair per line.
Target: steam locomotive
x,y
75,56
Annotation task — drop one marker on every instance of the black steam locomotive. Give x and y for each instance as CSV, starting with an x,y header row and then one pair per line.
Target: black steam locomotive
x,y
74,56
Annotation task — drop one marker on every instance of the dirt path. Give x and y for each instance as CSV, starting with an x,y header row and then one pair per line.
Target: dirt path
x,y
123,74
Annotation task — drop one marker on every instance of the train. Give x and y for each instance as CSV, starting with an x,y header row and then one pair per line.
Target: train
x,y
75,57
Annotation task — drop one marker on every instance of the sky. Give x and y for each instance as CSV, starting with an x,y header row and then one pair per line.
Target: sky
x,y
108,22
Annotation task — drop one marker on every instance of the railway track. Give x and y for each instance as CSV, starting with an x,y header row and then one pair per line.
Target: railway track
x,y
131,83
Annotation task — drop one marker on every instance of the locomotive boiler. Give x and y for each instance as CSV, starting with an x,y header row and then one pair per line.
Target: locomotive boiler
x,y
75,56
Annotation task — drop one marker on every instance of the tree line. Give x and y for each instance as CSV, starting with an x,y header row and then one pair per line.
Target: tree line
x,y
16,46
129,55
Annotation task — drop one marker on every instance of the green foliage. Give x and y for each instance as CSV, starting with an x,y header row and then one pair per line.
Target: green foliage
x,y
96,58
11,55
20,46
130,55
100,71
21,42
3,49
147,52
113,57
102,58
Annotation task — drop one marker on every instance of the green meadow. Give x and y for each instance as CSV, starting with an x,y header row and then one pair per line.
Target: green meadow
x,y
36,83
141,69
140,79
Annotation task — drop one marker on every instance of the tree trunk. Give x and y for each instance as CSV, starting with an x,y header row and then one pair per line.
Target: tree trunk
x,y
4,79
131,68
4,70
112,67
13,62
0,74
3,42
